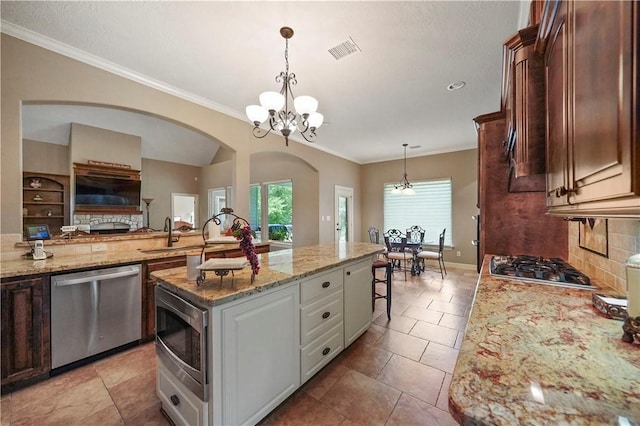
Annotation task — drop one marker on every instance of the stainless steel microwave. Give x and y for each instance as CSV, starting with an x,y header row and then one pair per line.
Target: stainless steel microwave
x,y
181,340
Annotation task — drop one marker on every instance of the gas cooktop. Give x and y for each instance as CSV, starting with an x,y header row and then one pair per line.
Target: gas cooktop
x,y
553,271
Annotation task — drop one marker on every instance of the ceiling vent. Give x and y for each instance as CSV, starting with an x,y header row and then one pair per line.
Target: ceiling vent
x,y
344,49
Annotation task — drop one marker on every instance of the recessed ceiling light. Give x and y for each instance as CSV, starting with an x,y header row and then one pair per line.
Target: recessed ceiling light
x,y
456,86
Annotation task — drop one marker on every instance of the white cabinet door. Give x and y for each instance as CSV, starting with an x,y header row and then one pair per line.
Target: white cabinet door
x,y
260,355
357,300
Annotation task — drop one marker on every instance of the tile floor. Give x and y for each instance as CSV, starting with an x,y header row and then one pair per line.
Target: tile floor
x,y
397,373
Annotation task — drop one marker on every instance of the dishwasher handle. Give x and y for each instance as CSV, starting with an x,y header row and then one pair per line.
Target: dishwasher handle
x,y
92,276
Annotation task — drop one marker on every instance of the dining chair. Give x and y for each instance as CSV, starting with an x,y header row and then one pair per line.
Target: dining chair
x,y
424,255
415,239
396,243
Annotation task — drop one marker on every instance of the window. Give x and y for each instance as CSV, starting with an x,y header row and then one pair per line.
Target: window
x,y
272,203
429,208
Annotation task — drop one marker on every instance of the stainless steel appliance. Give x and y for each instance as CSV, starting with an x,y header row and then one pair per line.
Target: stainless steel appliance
x,y
94,311
553,271
181,340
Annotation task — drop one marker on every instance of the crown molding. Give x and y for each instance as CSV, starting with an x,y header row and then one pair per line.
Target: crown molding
x,y
48,43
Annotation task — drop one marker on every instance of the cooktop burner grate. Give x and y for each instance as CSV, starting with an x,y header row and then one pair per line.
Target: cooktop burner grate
x,y
552,271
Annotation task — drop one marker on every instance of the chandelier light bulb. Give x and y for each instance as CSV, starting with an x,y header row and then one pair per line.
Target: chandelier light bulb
x,y
257,114
305,105
315,120
409,191
396,191
271,101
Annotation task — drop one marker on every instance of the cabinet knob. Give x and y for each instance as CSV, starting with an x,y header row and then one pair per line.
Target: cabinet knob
x,y
325,351
326,315
326,284
348,272
175,400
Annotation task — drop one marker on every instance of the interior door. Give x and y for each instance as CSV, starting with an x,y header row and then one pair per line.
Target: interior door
x,y
343,213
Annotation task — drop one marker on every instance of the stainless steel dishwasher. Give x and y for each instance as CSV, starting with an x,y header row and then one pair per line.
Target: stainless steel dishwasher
x,y
94,311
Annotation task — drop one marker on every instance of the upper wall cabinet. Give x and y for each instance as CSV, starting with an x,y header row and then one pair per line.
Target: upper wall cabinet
x,y
524,108
591,64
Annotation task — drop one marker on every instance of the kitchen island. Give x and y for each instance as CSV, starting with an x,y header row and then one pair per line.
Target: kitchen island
x,y
540,354
264,338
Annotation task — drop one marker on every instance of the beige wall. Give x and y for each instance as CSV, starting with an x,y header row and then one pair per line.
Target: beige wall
x,y
460,166
32,74
159,180
45,157
93,143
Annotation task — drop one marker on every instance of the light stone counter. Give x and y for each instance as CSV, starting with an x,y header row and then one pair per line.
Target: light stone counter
x,y
126,254
276,268
538,354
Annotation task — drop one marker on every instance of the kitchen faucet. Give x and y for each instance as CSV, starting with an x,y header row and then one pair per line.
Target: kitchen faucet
x,y
167,226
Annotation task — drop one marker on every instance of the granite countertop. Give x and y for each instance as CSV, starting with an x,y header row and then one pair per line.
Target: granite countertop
x,y
539,354
276,268
21,267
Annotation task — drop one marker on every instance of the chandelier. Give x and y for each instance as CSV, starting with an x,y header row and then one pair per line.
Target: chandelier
x,y
275,106
404,187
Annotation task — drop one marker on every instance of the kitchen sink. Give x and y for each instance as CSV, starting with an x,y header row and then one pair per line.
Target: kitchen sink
x,y
170,249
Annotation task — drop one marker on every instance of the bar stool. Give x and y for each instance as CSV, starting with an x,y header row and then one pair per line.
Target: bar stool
x,y
379,264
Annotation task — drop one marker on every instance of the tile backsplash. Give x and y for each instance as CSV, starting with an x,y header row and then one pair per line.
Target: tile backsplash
x,y
624,241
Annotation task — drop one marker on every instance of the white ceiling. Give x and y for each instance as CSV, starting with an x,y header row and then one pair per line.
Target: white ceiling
x,y
223,54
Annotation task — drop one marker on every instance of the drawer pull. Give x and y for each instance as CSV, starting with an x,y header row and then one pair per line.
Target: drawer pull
x,y
325,351
326,315
175,400
348,272
326,284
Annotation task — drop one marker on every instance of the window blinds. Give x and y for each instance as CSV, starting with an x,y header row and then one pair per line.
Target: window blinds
x,y
429,208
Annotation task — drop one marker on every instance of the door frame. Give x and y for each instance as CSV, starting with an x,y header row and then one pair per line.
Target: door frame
x,y
343,191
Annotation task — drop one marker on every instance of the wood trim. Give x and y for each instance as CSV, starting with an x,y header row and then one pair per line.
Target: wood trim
x,y
97,169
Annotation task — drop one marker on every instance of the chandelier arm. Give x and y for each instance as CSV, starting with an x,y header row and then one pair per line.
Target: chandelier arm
x,y
311,136
260,133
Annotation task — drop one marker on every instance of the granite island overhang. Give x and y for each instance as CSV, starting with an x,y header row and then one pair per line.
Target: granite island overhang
x,y
538,354
276,268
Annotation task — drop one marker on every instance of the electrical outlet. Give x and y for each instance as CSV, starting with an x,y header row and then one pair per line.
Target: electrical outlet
x,y
98,247
458,253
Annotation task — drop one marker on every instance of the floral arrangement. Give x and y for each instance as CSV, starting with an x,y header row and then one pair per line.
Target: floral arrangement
x,y
245,236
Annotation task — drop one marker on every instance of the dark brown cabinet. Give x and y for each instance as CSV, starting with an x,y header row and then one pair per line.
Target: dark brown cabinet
x,y
524,111
593,151
45,200
511,223
25,329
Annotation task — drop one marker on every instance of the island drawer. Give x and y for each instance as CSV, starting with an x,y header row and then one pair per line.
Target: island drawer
x,y
320,285
318,353
179,403
319,316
